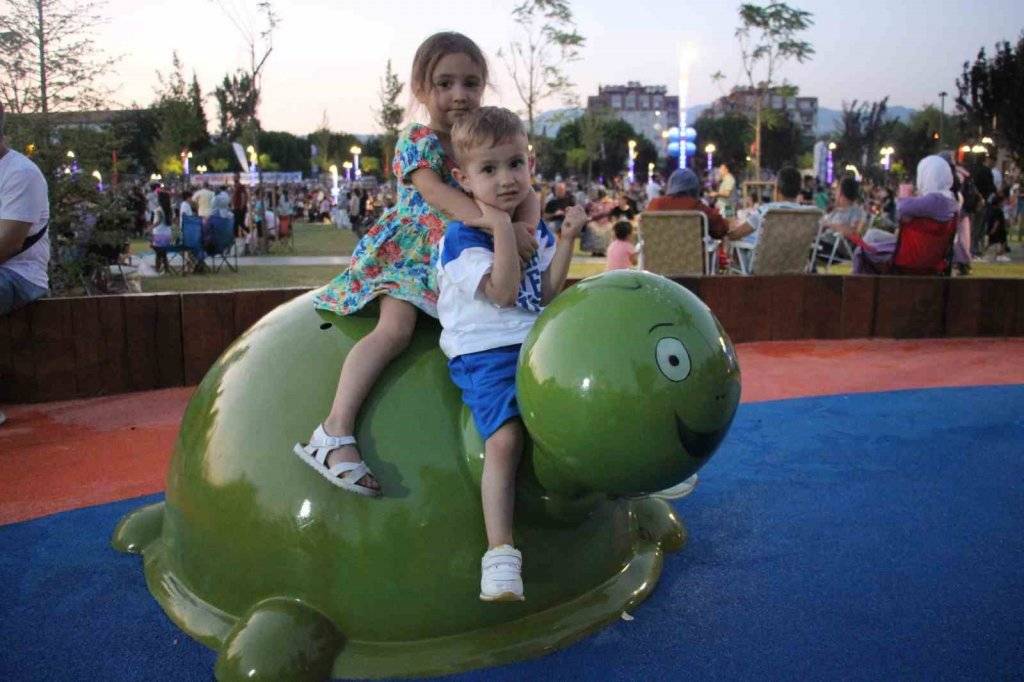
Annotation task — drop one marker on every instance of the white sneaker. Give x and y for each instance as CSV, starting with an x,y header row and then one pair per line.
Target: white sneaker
x,y
1003,259
500,578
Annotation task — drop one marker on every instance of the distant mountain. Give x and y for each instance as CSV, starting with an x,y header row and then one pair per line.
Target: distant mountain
x,y
830,119
547,123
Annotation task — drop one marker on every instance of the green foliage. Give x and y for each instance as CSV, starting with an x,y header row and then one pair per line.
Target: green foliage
x,y
237,100
48,59
768,39
783,143
88,230
731,135
180,119
536,59
991,95
861,131
918,137
595,143
390,114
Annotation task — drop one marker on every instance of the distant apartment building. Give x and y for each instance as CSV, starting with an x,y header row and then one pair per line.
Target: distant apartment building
x,y
803,111
645,107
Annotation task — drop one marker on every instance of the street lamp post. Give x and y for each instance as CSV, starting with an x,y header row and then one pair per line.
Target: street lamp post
x,y
334,180
709,151
632,160
942,113
887,153
830,164
348,170
99,180
356,150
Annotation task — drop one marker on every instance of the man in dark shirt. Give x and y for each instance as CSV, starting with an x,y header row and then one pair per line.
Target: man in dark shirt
x,y
554,210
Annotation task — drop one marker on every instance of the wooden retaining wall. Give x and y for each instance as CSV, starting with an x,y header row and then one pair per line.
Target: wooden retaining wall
x,y
63,348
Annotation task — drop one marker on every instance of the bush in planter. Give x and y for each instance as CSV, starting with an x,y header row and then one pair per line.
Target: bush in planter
x,y
89,231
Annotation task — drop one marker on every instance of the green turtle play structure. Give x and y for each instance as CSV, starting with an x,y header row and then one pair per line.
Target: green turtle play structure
x,y
627,385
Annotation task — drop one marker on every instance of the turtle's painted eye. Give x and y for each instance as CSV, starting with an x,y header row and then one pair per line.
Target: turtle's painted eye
x,y
673,360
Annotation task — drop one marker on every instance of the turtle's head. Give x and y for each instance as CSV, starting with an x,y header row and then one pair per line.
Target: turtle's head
x,y
627,384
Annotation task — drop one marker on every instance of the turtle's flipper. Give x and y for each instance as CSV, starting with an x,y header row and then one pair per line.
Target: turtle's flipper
x,y
280,639
139,528
658,521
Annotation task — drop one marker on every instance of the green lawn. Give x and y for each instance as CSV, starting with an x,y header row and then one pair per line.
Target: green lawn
x,y
325,240
247,277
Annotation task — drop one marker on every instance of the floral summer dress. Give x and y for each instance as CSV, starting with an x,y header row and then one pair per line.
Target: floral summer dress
x,y
397,256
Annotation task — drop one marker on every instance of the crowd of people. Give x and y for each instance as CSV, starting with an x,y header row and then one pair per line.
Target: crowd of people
x,y
989,205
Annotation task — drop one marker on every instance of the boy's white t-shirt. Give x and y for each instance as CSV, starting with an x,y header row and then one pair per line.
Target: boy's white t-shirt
x,y
23,197
470,322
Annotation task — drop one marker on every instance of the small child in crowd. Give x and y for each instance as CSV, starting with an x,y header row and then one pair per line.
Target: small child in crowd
x,y
621,253
487,305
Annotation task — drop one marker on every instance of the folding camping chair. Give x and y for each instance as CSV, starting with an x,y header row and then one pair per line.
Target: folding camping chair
x,y
675,243
189,251
923,247
786,244
220,243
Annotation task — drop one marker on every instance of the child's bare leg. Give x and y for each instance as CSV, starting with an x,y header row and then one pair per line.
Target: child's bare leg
x,y
498,483
363,365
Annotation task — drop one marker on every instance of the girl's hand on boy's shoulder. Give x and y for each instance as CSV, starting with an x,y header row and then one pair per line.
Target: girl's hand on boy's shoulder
x,y
575,219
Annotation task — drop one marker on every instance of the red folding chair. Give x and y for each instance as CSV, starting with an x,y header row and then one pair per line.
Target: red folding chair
x,y
924,247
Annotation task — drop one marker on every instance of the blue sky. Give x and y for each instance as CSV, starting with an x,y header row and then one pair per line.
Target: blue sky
x,y
329,54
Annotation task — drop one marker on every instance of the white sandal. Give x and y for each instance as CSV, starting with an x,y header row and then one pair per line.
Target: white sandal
x,y
345,475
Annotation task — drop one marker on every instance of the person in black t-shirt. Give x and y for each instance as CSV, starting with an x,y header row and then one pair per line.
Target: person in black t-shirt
x,y
554,210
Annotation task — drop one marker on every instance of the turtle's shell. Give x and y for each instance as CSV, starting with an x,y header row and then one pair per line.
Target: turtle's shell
x,y
245,520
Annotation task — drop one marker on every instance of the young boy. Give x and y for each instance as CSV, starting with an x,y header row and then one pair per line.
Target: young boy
x,y
487,305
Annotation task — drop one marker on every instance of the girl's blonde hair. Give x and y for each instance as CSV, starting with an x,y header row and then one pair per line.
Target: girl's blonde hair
x,y
436,47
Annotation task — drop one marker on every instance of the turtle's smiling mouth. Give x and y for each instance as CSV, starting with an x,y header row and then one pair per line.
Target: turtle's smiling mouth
x,y
695,443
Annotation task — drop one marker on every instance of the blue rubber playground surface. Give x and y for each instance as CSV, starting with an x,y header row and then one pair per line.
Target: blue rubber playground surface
x,y
858,537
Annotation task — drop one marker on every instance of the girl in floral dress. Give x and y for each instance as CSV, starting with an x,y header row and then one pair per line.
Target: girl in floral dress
x,y
395,260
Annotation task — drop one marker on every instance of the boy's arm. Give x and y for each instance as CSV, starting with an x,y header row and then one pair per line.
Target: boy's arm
x,y
501,285
553,279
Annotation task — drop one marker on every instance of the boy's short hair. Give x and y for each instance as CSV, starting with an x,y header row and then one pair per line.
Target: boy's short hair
x,y
487,126
622,229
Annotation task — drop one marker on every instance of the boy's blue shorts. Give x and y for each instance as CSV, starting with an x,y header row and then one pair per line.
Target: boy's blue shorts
x,y
488,383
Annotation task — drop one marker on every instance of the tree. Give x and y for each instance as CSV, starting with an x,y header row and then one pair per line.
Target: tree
x,y
784,142
239,95
48,61
919,136
237,99
536,61
180,127
991,96
860,131
768,38
389,116
731,134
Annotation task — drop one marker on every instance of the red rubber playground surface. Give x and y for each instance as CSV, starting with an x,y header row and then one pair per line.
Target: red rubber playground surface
x,y
61,456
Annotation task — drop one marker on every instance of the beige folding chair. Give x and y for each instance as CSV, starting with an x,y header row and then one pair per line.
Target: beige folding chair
x,y
674,243
786,244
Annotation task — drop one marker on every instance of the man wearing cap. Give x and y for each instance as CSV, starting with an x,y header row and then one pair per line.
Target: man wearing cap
x,y
682,193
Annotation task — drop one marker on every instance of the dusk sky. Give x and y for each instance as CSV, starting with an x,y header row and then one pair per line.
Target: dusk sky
x,y
329,55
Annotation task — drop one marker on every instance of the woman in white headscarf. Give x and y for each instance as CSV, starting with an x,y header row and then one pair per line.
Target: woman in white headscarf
x,y
934,200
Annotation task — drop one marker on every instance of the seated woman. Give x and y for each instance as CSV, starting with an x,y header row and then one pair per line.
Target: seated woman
x,y
934,201
846,220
